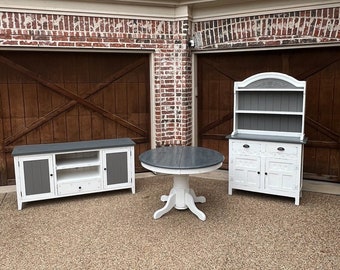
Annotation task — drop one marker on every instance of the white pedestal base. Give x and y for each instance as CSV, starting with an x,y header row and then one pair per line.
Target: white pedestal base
x,y
181,197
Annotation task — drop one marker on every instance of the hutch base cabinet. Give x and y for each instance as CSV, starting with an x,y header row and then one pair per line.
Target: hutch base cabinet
x,y
48,171
266,145
270,167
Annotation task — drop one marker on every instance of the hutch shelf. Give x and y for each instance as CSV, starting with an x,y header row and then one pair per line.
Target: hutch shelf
x,y
47,171
267,142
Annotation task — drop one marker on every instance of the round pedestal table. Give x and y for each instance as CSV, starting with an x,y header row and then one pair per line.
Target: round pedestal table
x,y
181,161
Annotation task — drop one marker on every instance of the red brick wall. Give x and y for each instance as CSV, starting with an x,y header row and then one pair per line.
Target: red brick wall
x,y
292,28
168,39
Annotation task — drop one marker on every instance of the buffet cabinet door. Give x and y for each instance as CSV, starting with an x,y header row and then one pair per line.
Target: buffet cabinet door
x,y
116,167
34,177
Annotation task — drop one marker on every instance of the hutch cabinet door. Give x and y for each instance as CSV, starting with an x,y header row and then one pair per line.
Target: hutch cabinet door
x,y
281,175
36,177
116,166
246,171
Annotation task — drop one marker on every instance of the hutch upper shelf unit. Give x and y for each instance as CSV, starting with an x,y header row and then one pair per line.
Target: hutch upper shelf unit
x,y
266,145
46,171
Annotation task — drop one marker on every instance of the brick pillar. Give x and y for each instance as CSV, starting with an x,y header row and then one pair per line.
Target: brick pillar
x,y
173,89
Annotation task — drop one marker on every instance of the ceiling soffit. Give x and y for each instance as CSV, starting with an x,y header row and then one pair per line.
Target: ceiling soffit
x,y
197,10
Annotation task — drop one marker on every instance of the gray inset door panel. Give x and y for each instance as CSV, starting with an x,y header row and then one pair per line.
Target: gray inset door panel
x,y
37,176
117,168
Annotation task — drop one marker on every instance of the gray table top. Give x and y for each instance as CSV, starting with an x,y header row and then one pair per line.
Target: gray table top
x,y
35,149
181,157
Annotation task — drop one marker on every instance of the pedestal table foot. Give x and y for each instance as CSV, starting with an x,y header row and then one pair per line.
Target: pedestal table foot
x,y
171,201
189,200
200,199
164,198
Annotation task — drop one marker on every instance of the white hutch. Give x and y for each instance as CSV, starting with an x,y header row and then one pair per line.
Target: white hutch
x,y
266,145
47,171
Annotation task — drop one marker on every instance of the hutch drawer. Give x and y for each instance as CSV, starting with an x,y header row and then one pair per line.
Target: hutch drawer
x,y
246,147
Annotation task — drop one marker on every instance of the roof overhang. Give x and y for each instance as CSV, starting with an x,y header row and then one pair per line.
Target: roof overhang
x,y
197,10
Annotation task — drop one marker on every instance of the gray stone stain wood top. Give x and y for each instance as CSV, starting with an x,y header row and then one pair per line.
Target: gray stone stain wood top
x,y
70,146
181,157
268,138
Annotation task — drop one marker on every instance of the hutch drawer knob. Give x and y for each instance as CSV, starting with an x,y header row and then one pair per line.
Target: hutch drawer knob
x,y
258,172
246,146
280,149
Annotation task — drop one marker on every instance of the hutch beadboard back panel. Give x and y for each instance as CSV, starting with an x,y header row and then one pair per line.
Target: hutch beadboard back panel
x,y
47,171
266,145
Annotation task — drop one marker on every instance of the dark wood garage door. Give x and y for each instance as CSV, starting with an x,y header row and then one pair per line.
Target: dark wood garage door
x,y
320,67
49,97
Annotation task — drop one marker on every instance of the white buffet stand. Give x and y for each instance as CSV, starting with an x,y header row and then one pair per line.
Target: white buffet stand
x,y
47,171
